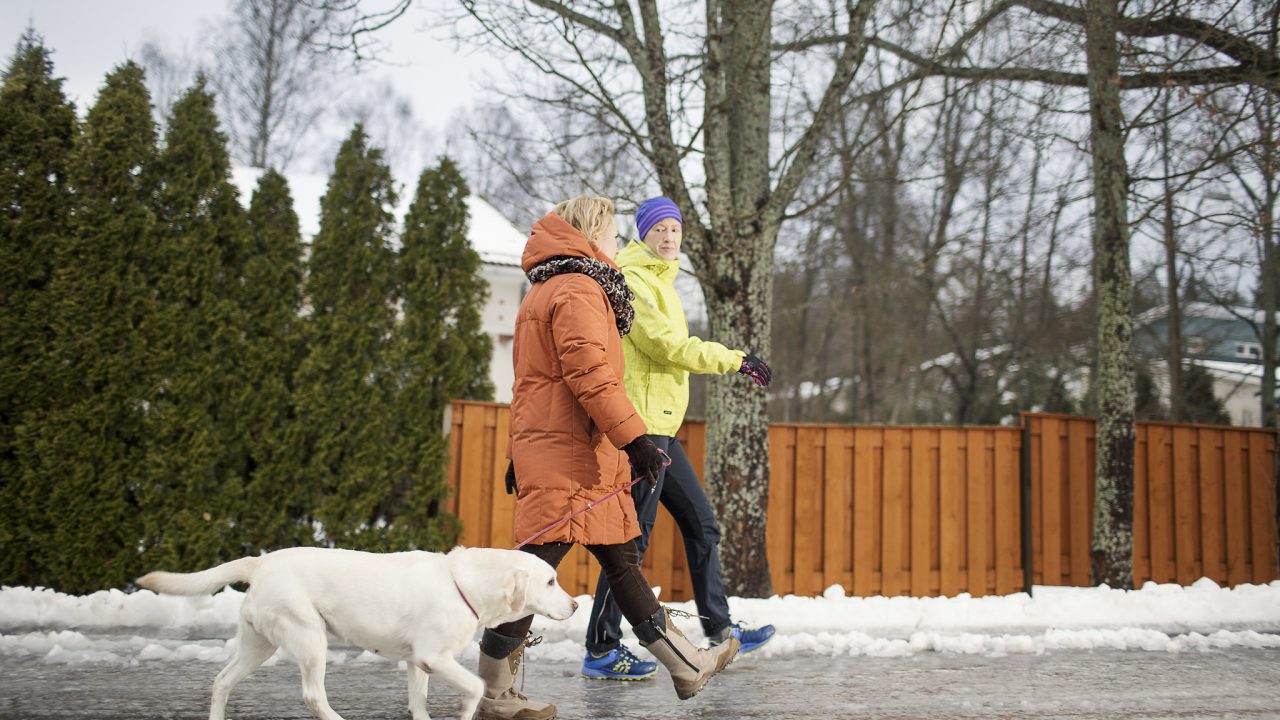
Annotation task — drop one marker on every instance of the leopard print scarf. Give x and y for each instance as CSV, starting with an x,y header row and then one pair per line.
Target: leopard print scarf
x,y
610,279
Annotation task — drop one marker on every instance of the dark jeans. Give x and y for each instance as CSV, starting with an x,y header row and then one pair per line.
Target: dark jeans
x,y
621,563
679,491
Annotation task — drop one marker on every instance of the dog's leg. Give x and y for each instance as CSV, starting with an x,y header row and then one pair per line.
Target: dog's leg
x,y
313,687
449,669
418,692
252,650
306,641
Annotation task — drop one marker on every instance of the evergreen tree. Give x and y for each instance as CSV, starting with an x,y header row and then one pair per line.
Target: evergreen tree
x,y
198,450
275,495
441,351
86,447
37,131
1147,402
1199,404
344,388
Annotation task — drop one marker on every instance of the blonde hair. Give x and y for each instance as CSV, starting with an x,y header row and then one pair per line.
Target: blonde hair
x,y
587,213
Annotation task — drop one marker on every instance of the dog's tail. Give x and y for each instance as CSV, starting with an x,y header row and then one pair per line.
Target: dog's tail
x,y
204,582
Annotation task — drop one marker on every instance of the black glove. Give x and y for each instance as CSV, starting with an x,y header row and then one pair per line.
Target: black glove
x,y
756,369
646,459
511,478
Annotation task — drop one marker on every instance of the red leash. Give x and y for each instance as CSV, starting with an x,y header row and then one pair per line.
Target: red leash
x,y
590,506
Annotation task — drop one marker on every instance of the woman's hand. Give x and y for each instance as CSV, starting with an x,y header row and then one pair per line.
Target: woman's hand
x,y
756,369
511,478
646,459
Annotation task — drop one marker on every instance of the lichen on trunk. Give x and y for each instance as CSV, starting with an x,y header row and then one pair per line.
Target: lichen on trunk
x,y
1113,511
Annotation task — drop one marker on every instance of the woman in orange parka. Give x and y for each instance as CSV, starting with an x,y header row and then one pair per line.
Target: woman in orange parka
x,y
576,438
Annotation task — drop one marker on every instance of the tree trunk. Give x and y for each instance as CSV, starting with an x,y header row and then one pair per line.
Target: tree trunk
x,y
1113,518
1174,312
736,258
1270,258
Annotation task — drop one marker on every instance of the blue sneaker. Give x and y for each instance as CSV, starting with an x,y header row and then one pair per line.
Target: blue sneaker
x,y
750,639
619,664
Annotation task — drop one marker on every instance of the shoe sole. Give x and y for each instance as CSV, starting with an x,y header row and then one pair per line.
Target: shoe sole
x,y
754,648
733,657
619,678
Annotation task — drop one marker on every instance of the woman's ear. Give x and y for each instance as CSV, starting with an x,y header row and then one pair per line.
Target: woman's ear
x,y
515,589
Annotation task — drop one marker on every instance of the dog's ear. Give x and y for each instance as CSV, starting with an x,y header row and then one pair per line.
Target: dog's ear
x,y
516,588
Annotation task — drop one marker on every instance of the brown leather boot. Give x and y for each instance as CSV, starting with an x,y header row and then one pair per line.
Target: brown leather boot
x,y
501,701
690,667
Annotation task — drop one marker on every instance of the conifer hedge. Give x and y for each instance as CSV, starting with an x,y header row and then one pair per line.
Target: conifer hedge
x,y
182,381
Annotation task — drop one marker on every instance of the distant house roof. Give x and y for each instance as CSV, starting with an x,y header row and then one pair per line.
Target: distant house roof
x,y
1210,311
491,235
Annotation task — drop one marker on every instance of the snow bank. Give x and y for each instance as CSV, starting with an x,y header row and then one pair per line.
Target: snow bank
x,y
114,627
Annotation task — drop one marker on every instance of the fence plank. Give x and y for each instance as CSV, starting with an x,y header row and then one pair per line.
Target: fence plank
x,y
1141,501
867,443
1051,500
837,509
951,507
808,520
1212,513
1186,506
1239,568
1079,490
1036,455
922,504
980,502
894,515
1262,505
1160,503
455,459
1008,533
502,514
782,508
473,461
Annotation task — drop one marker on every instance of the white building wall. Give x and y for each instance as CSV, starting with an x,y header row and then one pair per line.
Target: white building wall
x,y
507,286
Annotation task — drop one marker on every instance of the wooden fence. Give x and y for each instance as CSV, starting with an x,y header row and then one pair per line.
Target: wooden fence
x,y
1203,502
890,510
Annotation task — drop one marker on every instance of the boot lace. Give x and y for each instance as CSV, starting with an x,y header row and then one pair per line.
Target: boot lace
x,y
529,641
681,613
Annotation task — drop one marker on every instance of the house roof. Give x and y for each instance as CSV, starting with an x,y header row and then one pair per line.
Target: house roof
x,y
491,235
1210,311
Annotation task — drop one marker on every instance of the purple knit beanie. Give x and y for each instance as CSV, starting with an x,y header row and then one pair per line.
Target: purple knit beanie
x,y
654,210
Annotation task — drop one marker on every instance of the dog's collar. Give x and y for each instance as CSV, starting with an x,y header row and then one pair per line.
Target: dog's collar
x,y
465,600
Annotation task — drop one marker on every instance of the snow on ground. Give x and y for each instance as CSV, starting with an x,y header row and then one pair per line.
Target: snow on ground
x,y
118,628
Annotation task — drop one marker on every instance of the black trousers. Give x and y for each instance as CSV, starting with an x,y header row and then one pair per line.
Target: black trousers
x,y
620,563
681,494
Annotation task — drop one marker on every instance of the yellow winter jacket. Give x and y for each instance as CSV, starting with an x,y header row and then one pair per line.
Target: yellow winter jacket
x,y
658,350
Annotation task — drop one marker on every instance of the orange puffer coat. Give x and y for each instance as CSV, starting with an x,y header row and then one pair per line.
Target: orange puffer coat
x,y
569,411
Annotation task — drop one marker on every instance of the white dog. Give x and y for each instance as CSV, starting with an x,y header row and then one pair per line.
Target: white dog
x,y
420,607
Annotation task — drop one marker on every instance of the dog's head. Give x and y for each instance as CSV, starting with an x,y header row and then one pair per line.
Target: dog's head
x,y
530,586
516,584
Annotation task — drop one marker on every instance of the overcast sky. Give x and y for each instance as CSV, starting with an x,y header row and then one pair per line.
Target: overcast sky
x,y
89,37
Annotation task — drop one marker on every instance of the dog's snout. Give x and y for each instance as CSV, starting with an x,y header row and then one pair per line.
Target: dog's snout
x,y
573,604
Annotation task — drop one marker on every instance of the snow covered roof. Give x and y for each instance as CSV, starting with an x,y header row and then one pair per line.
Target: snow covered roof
x,y
1225,370
1210,311
491,235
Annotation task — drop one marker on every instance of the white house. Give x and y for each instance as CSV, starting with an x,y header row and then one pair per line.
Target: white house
x,y
1223,341
500,246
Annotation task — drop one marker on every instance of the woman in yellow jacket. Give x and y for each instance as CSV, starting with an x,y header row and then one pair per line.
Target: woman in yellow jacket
x,y
660,354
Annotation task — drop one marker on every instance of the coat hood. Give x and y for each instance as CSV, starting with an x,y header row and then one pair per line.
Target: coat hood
x,y
552,236
637,254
